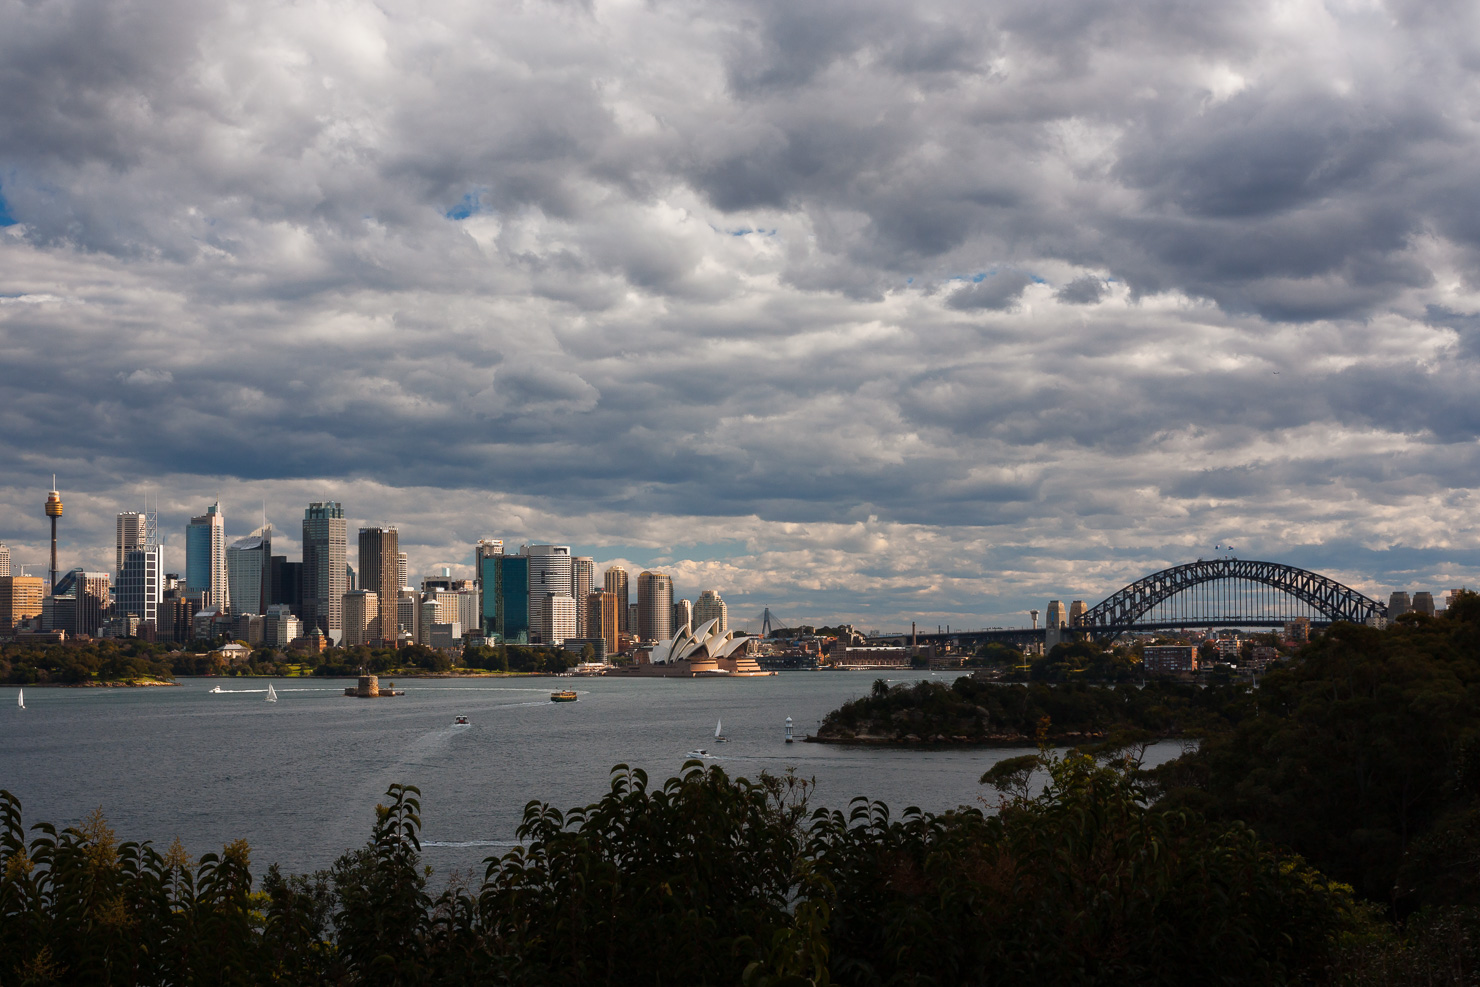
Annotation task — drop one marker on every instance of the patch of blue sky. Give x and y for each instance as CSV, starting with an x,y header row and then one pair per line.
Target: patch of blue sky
x,y
743,231
6,219
472,202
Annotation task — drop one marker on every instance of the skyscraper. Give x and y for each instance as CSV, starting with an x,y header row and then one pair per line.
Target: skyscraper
x,y
131,534
4,561
380,574
549,572
141,578
559,615
654,606
683,615
615,582
249,572
709,606
403,570
511,599
602,620
205,559
324,582
583,581
361,614
20,597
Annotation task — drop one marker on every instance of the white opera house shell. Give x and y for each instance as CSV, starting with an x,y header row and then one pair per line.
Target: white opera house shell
x,y
705,644
703,652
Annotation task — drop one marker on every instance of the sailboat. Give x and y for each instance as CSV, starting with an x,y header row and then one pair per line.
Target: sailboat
x,y
271,694
719,738
20,698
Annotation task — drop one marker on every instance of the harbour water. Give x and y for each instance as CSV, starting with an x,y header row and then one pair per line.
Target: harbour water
x,y
299,778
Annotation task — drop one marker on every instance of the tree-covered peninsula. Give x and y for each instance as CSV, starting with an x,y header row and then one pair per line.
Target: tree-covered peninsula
x,y
973,711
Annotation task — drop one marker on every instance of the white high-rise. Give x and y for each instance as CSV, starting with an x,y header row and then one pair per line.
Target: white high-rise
x,y
4,562
249,571
709,606
131,534
558,616
549,572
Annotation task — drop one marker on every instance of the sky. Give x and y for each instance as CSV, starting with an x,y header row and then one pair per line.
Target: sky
x,y
866,311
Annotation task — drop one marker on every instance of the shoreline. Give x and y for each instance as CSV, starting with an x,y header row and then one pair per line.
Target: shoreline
x,y
996,740
120,684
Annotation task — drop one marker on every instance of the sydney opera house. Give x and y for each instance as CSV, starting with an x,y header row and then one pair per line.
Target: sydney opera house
x,y
701,651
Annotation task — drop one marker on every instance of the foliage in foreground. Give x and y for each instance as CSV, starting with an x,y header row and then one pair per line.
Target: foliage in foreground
x,y
702,880
1364,757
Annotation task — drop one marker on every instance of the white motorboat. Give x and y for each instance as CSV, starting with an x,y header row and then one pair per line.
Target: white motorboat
x,y
217,689
698,753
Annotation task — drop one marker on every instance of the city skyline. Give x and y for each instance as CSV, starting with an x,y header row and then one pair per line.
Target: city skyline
x,y
863,313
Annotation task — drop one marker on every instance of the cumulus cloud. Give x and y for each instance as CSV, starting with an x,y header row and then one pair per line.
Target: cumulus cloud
x,y
868,309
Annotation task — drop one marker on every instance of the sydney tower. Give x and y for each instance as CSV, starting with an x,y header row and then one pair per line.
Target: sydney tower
x,y
53,511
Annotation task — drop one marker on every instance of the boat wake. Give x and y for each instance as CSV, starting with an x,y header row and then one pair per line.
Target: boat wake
x,y
464,844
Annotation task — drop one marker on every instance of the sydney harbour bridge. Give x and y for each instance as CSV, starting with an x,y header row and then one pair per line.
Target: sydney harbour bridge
x,y
1225,592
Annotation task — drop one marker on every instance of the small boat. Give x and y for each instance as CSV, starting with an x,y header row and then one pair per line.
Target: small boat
x,y
698,753
461,721
271,693
564,696
20,698
719,738
788,729
217,689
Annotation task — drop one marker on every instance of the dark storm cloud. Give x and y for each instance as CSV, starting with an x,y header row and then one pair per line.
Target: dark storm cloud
x,y
594,269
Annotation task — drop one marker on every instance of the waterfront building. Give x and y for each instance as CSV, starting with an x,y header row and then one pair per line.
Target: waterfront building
x,y
205,558
582,582
79,603
362,614
1055,616
132,532
173,615
140,585
1076,613
602,619
558,613
324,583
683,615
380,575
511,600
1423,602
654,606
710,606
280,627
549,572
408,605
249,572
469,607
614,581
1398,604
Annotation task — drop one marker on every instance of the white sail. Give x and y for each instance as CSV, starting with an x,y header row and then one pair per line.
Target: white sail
x,y
271,694
20,698
716,728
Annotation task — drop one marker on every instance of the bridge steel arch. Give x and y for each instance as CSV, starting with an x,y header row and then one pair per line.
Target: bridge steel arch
x,y
1125,610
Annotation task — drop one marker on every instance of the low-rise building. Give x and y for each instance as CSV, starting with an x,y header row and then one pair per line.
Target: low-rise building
x,y
1169,659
